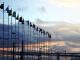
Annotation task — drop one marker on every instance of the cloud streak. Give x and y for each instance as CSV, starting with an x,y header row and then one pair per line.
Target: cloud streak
x,y
22,8
42,10
61,30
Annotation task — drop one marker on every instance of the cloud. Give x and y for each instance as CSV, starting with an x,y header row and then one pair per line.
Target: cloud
x,y
22,8
61,30
43,23
65,3
42,10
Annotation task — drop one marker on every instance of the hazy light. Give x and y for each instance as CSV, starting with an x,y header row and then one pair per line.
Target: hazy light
x,y
66,3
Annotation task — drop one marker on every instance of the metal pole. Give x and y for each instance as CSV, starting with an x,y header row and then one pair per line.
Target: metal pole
x,y
8,33
11,34
13,49
17,18
57,56
21,53
22,43
3,32
65,56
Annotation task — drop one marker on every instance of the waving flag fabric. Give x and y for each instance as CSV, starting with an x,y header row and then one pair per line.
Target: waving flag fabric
x,y
2,6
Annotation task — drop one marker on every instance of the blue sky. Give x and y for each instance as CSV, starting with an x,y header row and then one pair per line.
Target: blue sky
x,y
47,10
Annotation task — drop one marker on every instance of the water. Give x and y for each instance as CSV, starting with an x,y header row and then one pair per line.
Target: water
x,y
10,57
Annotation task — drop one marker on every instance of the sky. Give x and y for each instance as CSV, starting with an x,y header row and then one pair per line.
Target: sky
x,y
47,10
60,17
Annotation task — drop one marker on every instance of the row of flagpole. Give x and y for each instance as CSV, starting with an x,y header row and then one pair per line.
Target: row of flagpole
x,y
41,34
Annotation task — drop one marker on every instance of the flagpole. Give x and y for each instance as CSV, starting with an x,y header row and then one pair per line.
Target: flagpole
x,y
33,37
14,41
11,33
46,39
15,37
37,37
8,33
22,41
23,38
27,34
30,35
3,32
17,18
7,9
41,39
13,48
18,38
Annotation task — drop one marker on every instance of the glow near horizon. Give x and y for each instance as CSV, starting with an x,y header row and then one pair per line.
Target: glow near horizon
x,y
55,10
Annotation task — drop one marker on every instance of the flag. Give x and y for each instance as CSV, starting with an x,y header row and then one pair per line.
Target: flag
x,y
23,21
20,19
46,33
27,22
50,36
43,32
10,12
37,29
14,14
17,17
34,26
2,6
30,24
7,9
40,30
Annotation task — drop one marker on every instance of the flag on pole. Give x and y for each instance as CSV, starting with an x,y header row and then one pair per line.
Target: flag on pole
x,y
27,22
50,36
40,30
17,17
2,6
7,9
30,24
10,12
20,19
23,21
43,32
34,26
37,29
14,14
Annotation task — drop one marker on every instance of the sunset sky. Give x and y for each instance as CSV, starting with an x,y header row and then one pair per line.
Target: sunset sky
x,y
59,17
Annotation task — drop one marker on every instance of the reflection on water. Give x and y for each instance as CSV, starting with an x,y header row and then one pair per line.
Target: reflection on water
x,y
17,57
